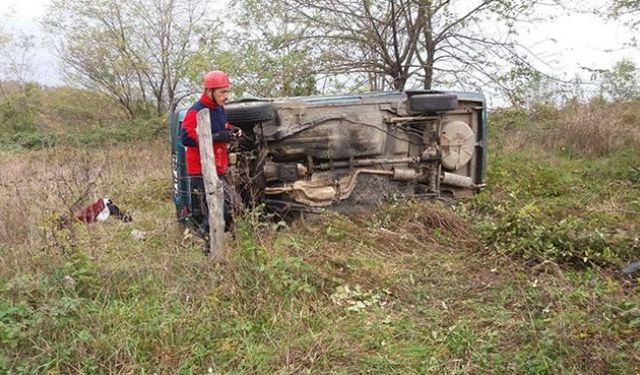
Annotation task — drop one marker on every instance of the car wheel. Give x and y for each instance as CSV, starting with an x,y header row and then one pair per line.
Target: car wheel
x,y
433,102
249,112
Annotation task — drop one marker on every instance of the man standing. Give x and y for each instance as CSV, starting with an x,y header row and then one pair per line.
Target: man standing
x,y
216,93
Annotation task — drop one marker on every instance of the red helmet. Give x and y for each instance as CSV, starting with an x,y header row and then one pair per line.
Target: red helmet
x,y
216,79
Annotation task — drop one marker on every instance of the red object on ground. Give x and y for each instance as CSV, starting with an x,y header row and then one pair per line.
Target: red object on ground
x,y
95,212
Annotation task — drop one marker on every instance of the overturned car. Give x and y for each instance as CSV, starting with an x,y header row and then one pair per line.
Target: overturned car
x,y
310,153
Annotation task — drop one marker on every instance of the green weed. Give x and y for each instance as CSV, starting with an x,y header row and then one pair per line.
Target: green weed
x,y
412,288
573,211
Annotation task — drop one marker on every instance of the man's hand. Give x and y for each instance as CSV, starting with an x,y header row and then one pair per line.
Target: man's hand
x,y
237,132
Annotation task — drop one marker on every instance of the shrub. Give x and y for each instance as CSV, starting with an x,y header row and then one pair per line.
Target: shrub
x,y
526,232
35,117
571,210
33,140
18,113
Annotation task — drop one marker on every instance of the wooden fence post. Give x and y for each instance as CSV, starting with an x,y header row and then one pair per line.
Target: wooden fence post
x,y
212,186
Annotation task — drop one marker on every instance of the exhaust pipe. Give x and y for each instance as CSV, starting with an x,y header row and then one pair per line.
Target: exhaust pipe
x,y
457,180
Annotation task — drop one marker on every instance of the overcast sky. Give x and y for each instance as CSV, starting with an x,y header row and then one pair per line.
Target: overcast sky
x,y
568,42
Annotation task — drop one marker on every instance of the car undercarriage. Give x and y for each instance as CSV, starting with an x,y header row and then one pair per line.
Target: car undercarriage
x,y
311,153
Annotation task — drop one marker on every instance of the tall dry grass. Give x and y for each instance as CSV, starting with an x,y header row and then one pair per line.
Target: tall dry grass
x,y
595,129
39,189
589,129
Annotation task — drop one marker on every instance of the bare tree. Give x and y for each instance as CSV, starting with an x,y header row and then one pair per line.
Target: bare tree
x,y
457,43
258,52
5,38
628,11
393,42
627,7
135,51
374,38
16,54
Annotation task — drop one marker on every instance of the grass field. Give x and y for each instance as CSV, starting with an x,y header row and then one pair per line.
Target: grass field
x,y
520,279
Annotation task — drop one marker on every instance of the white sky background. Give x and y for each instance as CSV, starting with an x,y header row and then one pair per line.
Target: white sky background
x,y
571,41
578,40
23,16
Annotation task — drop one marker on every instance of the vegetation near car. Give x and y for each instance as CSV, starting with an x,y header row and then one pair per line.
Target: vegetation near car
x,y
532,269
411,287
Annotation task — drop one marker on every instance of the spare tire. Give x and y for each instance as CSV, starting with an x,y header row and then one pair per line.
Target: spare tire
x,y
433,102
249,111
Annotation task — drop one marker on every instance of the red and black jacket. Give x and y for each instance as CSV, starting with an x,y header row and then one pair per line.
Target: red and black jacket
x,y
189,136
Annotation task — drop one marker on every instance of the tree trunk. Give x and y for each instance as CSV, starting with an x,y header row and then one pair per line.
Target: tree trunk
x,y
399,83
430,46
212,186
428,71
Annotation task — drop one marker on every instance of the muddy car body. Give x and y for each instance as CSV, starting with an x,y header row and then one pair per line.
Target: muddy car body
x,y
309,153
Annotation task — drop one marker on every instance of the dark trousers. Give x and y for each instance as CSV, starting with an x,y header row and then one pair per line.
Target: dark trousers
x,y
199,208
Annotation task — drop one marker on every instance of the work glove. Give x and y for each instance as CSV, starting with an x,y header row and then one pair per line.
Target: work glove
x,y
223,136
237,132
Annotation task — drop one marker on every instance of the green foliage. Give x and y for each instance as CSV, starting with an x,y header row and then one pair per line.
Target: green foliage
x,y
525,232
529,175
31,140
622,82
80,271
21,325
142,130
18,111
13,320
278,303
510,126
265,60
535,208
525,86
134,131
407,289
510,119
34,117
288,275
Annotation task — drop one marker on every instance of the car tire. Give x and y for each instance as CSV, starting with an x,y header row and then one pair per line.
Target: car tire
x,y
433,102
249,112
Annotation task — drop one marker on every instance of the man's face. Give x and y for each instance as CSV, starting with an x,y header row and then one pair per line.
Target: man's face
x,y
220,96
